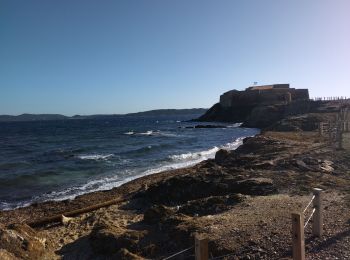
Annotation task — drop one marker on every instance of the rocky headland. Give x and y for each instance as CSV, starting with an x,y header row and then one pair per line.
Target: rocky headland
x,y
263,106
241,200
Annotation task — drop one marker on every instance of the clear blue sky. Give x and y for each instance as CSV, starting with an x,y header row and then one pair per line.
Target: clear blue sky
x,y
88,57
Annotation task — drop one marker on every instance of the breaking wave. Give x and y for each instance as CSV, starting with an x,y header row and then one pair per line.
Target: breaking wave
x,y
152,133
207,154
95,157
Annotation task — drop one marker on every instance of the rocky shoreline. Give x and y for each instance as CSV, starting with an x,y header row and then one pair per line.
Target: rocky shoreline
x,y
241,201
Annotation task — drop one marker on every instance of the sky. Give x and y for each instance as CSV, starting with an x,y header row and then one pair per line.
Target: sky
x,y
121,56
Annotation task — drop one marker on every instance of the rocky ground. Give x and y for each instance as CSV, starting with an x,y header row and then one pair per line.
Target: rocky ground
x,y
242,202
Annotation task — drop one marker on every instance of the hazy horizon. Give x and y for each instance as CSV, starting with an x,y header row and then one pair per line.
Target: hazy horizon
x,y
118,57
108,114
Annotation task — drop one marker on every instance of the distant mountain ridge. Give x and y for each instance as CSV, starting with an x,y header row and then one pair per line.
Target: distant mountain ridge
x,y
48,117
33,117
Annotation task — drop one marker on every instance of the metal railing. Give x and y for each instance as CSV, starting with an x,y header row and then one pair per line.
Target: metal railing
x,y
178,253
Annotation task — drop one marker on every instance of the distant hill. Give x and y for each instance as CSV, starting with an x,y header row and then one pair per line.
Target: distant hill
x,y
167,112
47,117
33,117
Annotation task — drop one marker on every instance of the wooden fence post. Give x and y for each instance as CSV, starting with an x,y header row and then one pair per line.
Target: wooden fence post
x,y
320,129
317,221
340,141
201,248
298,239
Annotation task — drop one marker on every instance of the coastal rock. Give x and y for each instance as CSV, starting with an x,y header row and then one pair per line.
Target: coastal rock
x,y
180,189
256,186
326,166
157,213
312,164
263,116
211,205
5,255
221,156
23,242
219,113
107,239
124,254
259,144
283,126
307,122
246,139
262,106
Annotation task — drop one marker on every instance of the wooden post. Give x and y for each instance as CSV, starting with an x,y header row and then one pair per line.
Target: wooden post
x,y
330,132
320,129
201,247
298,239
317,220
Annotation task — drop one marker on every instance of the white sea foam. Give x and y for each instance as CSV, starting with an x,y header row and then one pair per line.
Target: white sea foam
x,y
152,133
95,157
235,125
195,155
207,154
167,134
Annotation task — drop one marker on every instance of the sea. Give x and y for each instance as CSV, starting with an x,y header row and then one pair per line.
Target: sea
x,y
58,160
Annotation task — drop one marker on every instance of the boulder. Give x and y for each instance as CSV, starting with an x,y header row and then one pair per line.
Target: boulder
x,y
157,213
107,239
20,240
124,254
221,156
260,145
211,205
307,122
5,255
179,189
255,186
313,164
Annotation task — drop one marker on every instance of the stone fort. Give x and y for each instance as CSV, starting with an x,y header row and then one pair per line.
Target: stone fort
x,y
263,95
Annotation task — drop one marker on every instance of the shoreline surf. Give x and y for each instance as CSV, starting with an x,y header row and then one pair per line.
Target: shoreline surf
x,y
176,161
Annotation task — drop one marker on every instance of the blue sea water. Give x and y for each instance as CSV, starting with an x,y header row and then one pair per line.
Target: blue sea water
x,y
57,160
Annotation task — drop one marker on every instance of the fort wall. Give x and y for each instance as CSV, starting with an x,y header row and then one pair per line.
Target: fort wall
x,y
263,95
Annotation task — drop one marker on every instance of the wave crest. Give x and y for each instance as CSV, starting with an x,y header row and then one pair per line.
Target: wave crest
x,y
95,157
152,133
207,154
